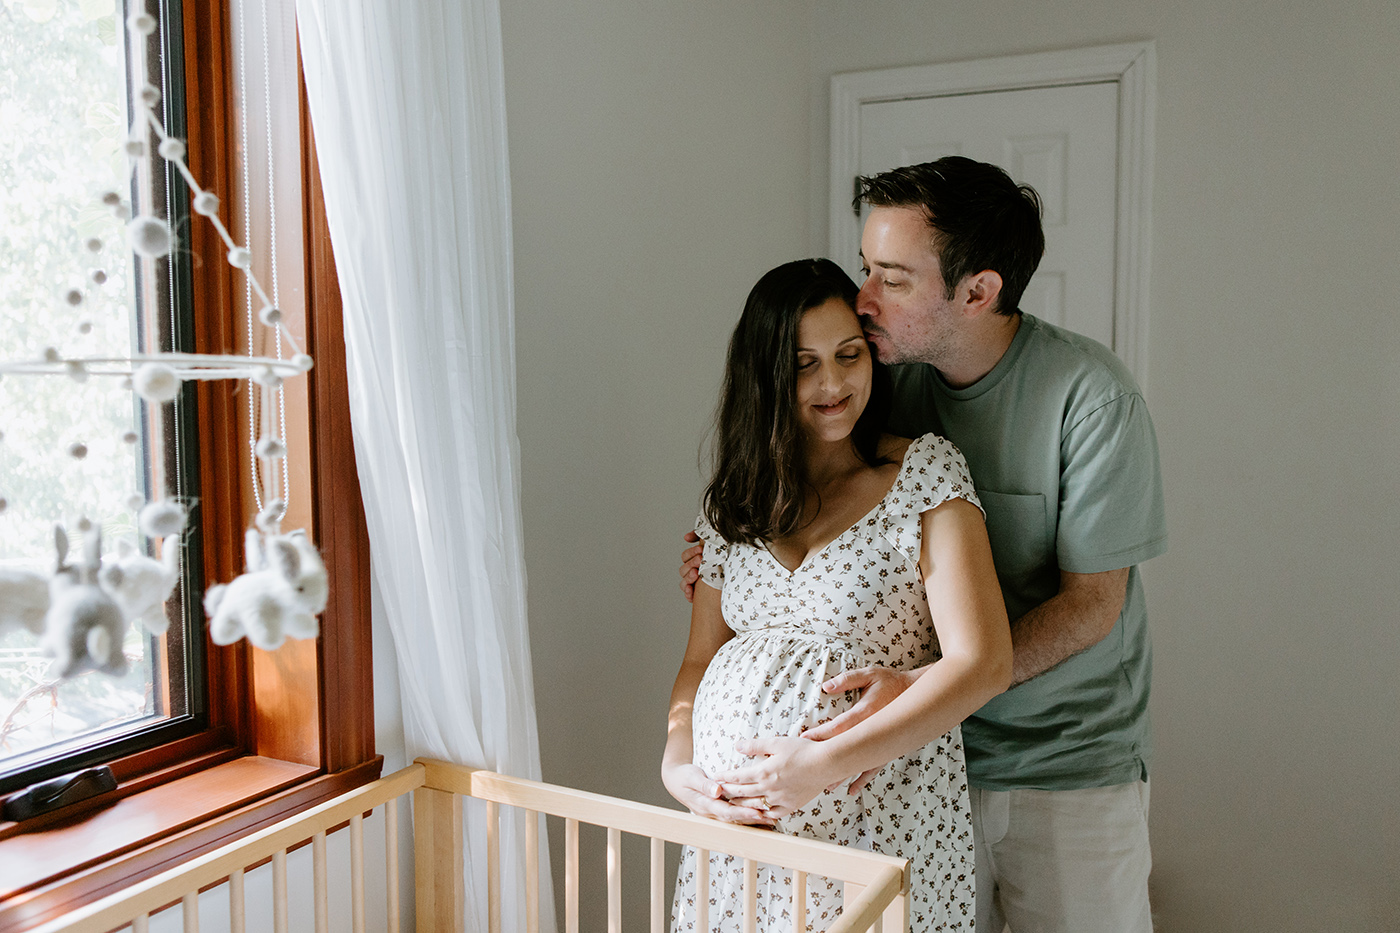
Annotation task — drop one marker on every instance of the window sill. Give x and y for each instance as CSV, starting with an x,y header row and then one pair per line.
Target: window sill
x,y
76,860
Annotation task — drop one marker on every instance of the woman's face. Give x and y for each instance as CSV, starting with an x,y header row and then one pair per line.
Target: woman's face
x,y
833,371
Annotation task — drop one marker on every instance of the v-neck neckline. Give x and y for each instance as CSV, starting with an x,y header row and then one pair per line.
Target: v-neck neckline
x,y
813,555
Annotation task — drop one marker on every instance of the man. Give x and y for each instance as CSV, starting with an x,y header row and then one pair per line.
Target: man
x,y
1064,458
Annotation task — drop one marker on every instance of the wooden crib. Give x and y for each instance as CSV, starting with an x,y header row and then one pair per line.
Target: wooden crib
x,y
875,886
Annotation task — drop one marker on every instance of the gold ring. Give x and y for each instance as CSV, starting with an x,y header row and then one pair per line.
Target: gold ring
x,y
763,802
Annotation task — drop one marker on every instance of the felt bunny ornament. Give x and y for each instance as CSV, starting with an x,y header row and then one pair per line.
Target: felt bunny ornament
x,y
24,599
279,597
141,585
84,626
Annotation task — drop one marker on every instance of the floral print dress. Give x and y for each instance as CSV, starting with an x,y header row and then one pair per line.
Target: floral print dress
x,y
858,601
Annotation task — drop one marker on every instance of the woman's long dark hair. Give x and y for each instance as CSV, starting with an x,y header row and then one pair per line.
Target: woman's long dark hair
x,y
760,476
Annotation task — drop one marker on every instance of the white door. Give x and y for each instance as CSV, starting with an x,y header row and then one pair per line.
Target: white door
x,y
1060,140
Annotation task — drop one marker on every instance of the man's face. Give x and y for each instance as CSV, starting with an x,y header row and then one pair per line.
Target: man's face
x,y
903,307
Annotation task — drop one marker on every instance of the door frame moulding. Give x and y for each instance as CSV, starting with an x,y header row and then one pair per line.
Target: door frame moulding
x,y
1132,66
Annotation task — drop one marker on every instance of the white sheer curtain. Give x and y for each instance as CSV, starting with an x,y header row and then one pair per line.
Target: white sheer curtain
x,y
408,109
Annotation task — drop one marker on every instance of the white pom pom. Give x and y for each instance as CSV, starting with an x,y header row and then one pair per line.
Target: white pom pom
x,y
302,362
150,236
85,327
74,296
240,258
94,244
51,355
271,448
98,277
159,519
136,148
206,203
130,437
76,370
271,514
156,382
171,149
121,210
265,376
270,316
150,95
77,450
141,23
135,501
111,198
84,524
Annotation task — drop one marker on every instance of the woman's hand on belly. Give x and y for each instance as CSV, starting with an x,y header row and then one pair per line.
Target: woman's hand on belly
x,y
704,797
789,773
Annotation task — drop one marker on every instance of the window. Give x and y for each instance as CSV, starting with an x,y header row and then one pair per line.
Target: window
x,y
281,730
69,284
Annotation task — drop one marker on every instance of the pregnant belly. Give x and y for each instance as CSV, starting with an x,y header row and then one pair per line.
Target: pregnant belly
x,y
765,684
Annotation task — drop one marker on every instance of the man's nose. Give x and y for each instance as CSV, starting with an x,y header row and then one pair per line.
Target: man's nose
x,y
865,301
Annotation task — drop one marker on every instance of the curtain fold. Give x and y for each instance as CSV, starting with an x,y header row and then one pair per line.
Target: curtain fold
x,y
407,105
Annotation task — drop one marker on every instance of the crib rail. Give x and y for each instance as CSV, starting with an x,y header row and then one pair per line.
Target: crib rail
x,y
134,905
876,886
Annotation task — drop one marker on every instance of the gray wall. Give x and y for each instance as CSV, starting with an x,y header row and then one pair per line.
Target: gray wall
x,y
664,154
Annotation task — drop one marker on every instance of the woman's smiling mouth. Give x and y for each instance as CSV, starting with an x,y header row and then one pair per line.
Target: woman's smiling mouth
x,y
835,408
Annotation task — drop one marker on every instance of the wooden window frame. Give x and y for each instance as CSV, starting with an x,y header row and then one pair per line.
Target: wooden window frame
x,y
260,758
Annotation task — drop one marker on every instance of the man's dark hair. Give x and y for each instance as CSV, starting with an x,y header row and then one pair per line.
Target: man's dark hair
x,y
979,217
759,484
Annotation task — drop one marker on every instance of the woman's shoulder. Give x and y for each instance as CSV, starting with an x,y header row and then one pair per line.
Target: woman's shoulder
x,y
892,447
921,450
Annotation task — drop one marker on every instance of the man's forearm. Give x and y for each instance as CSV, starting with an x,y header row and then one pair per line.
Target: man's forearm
x,y
1078,617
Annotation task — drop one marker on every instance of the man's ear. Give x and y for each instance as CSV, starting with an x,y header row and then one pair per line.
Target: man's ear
x,y
979,292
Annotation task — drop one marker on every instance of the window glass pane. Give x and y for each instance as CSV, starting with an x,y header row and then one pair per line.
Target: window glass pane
x,y
69,283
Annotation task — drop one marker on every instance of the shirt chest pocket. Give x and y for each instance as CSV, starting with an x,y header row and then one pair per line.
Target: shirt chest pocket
x,y
1019,528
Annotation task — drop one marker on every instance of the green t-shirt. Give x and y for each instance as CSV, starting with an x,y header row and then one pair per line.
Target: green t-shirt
x,y
1064,458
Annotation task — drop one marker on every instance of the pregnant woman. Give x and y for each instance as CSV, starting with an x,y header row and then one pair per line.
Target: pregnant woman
x,y
830,546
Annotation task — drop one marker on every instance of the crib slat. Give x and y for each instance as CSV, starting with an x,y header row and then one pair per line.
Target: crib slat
x,y
320,891
571,876
190,905
391,862
896,916
357,873
750,896
702,889
493,867
532,871
141,924
614,880
279,891
439,861
237,903
799,902
658,885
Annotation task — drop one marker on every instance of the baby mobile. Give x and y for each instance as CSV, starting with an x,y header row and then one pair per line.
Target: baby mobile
x,y
82,608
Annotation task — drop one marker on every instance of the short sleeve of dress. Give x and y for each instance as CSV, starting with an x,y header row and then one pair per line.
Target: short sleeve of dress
x,y
716,552
934,471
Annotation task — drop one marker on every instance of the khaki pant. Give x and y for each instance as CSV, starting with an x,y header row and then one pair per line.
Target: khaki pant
x,y
1066,861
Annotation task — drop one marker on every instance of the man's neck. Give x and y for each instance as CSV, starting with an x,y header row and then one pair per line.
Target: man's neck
x,y
983,350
